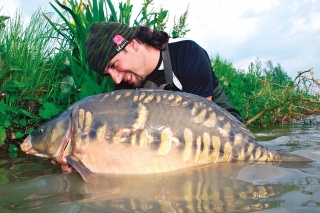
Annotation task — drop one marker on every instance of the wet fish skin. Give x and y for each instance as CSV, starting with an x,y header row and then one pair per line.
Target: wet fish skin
x,y
146,131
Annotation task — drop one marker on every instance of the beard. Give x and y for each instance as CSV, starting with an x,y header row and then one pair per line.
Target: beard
x,y
139,81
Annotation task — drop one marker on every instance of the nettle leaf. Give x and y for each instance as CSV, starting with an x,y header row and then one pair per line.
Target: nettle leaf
x,y
51,108
18,135
7,123
13,97
86,90
29,131
12,148
66,84
3,107
45,113
5,120
9,87
23,122
20,85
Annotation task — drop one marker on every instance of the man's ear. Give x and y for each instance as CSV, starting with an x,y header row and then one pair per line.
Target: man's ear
x,y
135,44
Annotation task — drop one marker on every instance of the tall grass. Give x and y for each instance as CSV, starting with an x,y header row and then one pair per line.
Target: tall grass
x,y
29,56
29,72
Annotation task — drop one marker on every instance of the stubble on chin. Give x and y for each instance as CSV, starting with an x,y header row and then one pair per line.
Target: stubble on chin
x,y
138,82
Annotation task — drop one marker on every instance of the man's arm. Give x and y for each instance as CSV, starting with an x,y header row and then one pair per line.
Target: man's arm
x,y
209,98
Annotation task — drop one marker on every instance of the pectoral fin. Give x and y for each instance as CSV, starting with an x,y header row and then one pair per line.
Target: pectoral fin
x,y
85,173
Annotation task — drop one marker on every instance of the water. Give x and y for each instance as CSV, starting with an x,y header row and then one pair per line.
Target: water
x,y
32,184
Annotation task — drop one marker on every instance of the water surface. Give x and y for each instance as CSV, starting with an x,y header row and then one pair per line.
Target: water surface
x,y
32,184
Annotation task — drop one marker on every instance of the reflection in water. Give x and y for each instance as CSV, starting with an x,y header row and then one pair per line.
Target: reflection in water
x,y
217,188
228,187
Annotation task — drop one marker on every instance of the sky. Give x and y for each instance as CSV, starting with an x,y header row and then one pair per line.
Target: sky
x,y
283,31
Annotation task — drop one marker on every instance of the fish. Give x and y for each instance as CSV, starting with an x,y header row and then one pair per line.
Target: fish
x,y
146,131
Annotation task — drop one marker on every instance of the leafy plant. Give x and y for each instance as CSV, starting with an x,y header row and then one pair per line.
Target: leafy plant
x,y
180,28
48,110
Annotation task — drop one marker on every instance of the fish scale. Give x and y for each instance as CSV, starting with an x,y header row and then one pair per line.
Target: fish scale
x,y
146,131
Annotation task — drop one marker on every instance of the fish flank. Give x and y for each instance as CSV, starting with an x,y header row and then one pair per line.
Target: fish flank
x,y
142,117
206,147
226,129
143,139
200,117
188,140
264,157
80,118
175,141
165,145
224,153
141,96
215,141
257,153
133,139
148,99
194,108
220,117
170,97
211,121
117,98
198,149
135,98
128,94
158,98
238,139
104,97
177,101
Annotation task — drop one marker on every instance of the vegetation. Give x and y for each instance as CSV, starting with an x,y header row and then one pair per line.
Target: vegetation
x,y
43,69
29,69
266,95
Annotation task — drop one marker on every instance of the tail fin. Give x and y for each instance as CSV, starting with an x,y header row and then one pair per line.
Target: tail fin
x,y
293,158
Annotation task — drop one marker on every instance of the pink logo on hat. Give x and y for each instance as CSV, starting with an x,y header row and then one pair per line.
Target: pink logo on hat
x,y
118,39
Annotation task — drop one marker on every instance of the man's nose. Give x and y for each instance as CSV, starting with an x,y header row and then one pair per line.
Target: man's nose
x,y
116,76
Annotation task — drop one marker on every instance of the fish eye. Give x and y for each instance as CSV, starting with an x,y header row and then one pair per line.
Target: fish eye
x,y
41,130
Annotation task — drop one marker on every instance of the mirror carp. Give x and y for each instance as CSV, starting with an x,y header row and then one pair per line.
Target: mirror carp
x,y
145,132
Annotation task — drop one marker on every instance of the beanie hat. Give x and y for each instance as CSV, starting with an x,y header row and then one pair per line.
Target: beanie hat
x,y
105,40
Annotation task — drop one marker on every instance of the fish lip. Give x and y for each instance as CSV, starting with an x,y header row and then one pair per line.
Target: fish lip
x,y
26,146
61,153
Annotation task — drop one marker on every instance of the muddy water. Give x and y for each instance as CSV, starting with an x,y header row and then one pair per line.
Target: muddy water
x,y
31,184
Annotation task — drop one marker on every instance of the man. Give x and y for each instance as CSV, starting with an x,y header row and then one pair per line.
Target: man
x,y
133,57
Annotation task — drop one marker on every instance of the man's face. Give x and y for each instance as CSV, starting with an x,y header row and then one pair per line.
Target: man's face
x,y
127,66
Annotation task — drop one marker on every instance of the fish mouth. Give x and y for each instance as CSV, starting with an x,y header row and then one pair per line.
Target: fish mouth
x,y
27,148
